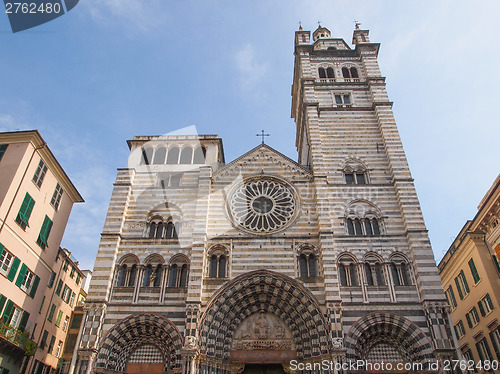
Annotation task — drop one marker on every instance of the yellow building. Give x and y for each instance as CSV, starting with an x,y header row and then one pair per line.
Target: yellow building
x,y
470,274
36,197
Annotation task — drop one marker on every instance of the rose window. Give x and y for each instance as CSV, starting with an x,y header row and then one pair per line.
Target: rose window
x,y
262,206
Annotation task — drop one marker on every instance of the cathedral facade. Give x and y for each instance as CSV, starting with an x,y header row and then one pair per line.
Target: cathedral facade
x,y
265,264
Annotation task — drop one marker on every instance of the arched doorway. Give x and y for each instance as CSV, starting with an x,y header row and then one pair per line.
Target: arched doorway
x,y
141,343
389,338
241,324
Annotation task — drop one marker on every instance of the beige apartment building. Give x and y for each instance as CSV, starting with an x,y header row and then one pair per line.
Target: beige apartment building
x,y
36,197
62,297
470,274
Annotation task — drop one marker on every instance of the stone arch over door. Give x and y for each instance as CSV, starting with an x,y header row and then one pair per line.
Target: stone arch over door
x,y
269,292
135,332
396,335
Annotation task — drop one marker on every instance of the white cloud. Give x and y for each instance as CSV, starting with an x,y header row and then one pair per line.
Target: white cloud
x,y
136,15
250,68
9,123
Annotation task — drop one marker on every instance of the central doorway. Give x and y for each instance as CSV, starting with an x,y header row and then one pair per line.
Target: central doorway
x,y
263,369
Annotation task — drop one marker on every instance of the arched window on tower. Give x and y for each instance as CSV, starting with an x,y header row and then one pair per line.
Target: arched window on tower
x,y
399,270
155,228
355,172
186,155
308,266
374,273
146,280
172,278
322,72
348,271
350,73
147,156
178,272
199,155
218,262
330,73
173,156
367,226
126,271
123,275
171,229
160,154
157,276
132,275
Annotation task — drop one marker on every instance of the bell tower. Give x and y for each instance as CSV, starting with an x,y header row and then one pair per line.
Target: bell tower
x,y
373,237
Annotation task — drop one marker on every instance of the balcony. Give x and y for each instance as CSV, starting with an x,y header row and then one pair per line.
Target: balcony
x,y
17,338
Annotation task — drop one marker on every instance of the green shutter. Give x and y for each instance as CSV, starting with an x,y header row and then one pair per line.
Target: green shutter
x,y
24,320
59,316
3,299
488,300
45,231
457,282
51,344
26,209
34,286
52,311
481,308
8,311
469,322
2,248
13,269
59,287
22,274
44,339
41,305
473,270
466,286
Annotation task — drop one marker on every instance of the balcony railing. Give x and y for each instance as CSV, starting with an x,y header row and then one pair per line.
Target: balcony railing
x,y
18,338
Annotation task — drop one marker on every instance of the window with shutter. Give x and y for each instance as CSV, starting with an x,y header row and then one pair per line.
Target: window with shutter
x,y
59,318
43,342
40,172
24,213
3,148
56,197
460,293
473,270
51,313
7,313
13,269
59,287
44,233
51,344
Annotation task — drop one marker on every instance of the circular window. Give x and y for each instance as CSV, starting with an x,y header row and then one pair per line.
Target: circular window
x,y
262,206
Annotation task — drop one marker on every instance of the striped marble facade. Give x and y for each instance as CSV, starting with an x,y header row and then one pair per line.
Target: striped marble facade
x,y
351,275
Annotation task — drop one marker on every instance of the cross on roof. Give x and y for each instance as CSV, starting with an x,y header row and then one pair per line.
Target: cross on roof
x,y
263,134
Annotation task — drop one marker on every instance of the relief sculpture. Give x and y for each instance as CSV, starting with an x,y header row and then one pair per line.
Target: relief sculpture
x,y
263,331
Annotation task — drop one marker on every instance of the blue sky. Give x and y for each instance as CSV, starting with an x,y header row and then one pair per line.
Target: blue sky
x,y
112,69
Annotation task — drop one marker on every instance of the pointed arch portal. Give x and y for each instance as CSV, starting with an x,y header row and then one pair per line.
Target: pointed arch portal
x,y
270,302
141,340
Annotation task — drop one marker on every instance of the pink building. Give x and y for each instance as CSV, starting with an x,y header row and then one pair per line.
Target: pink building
x,y
36,197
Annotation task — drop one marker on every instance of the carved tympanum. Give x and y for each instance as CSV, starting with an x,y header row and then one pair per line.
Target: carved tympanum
x,y
263,331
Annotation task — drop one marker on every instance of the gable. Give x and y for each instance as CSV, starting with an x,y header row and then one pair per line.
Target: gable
x,y
263,160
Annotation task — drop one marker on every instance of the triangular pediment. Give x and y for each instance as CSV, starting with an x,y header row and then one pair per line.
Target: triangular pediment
x,y
264,159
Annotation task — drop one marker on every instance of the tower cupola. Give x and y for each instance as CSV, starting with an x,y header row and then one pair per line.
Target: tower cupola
x,y
321,32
